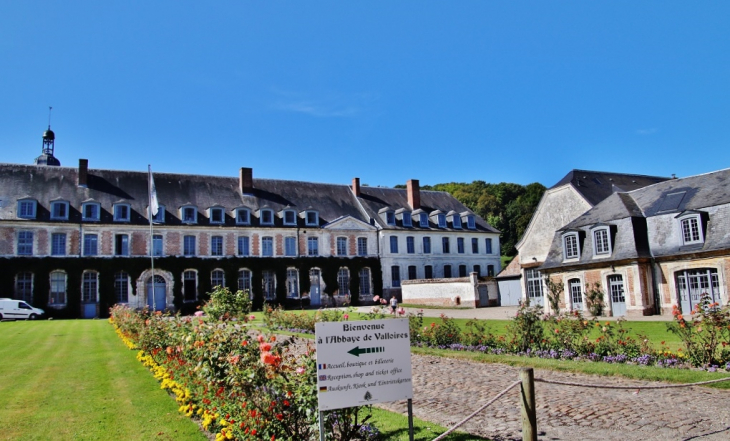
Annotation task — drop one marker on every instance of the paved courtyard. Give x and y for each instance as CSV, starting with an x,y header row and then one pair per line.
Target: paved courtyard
x,y
447,390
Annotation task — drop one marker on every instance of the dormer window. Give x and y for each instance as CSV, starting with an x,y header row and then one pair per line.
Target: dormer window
x,y
407,221
570,246
423,221
691,227
243,216
456,221
217,215
470,223
90,211
290,217
311,218
59,210
121,212
159,218
266,216
189,214
602,241
27,208
441,220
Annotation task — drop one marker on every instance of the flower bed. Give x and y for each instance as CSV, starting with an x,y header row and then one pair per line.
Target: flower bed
x,y
240,386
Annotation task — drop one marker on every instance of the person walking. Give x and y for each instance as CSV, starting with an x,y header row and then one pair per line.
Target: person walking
x,y
393,304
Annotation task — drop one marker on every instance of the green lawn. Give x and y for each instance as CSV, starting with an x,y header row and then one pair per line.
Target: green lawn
x,y
75,379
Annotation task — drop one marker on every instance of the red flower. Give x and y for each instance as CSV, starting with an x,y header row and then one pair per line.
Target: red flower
x,y
265,347
279,416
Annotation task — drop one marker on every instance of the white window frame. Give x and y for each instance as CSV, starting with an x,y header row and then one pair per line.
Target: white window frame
x,y
89,287
120,217
533,283
24,286
88,242
244,280
121,244
365,283
157,238
267,246
268,284
55,215
186,249
291,215
27,208
343,281
290,246
121,287
217,212
58,249
362,246
243,216
571,246
243,246
184,218
58,288
602,245
312,246
341,246
266,216
292,283
87,206
217,249
25,243
217,275
190,274
311,218
686,224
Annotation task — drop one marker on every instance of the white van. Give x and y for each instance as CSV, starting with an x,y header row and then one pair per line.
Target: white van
x,y
18,309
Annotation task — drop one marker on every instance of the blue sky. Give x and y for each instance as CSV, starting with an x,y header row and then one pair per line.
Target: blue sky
x,y
513,91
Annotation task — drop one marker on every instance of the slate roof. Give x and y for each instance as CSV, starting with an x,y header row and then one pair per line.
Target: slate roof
x,y
629,214
108,187
596,186
374,199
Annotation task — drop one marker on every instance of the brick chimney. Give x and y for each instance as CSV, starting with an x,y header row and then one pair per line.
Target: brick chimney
x,y
356,186
83,172
246,180
414,194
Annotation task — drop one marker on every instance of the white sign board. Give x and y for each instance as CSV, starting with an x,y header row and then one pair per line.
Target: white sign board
x,y
363,362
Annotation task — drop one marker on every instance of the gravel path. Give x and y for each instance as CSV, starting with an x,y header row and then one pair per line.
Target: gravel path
x,y
447,390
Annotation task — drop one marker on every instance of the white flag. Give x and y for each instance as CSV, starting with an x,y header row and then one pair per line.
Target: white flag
x,y
154,206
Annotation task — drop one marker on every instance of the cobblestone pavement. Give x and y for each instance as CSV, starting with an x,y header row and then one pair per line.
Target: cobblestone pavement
x,y
447,390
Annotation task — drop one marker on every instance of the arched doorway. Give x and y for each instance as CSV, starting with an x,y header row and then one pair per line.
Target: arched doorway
x,y
315,288
156,301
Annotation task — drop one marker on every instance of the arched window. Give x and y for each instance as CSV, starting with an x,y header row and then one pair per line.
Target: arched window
x,y
343,281
365,289
576,294
268,282
89,287
24,287
121,287
244,281
190,286
58,289
292,283
217,278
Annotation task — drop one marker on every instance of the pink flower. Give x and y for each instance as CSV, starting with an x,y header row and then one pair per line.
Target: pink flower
x,y
376,298
401,311
301,370
252,317
198,313
345,316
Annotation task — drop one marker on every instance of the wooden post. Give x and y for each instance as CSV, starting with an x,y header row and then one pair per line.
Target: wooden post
x,y
529,415
321,426
410,419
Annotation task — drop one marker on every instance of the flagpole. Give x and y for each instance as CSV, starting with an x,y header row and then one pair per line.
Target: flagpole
x,y
152,242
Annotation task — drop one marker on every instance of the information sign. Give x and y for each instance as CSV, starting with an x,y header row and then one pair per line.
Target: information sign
x,y
363,362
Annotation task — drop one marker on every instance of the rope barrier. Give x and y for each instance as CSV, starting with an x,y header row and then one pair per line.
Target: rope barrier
x,y
597,386
460,423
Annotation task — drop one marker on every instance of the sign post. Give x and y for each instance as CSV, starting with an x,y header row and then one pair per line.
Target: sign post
x,y
363,362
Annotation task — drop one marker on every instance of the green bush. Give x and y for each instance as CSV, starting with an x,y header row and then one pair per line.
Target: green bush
x,y
525,331
706,335
226,305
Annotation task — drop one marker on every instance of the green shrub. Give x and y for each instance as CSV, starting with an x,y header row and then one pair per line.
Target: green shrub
x,y
226,305
526,330
706,335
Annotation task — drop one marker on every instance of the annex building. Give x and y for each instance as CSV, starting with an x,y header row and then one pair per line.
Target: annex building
x,y
77,240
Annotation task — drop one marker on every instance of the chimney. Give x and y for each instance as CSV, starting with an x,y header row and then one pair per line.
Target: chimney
x,y
414,194
356,187
83,172
246,180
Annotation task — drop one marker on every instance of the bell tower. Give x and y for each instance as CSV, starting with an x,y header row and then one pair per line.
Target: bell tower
x,y
49,138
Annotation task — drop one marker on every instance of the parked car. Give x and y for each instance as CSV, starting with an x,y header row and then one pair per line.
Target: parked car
x,y
18,309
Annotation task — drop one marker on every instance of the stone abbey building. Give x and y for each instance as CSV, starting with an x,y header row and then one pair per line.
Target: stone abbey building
x,y
77,240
